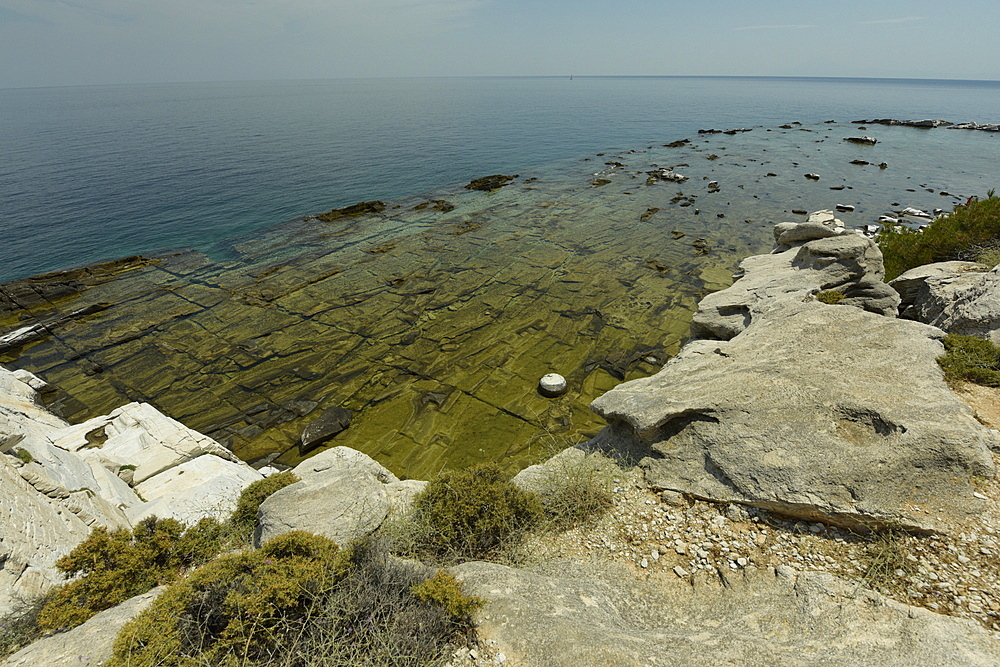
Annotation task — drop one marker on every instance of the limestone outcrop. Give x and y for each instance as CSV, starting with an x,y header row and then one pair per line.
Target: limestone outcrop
x,y
809,257
959,297
341,494
590,616
58,482
825,412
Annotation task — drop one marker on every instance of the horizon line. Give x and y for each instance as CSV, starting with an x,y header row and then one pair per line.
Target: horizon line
x,y
502,76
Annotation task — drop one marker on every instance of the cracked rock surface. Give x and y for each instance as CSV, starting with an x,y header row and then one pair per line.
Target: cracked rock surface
x,y
825,412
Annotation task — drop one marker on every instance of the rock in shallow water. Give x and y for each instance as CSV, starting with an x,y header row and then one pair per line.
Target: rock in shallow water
x,y
330,423
552,385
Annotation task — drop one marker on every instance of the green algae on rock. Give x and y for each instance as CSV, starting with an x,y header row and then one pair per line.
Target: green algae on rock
x,y
488,183
361,208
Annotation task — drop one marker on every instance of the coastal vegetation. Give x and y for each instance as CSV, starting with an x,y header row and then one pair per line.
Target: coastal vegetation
x,y
970,359
470,514
300,600
114,566
971,232
830,296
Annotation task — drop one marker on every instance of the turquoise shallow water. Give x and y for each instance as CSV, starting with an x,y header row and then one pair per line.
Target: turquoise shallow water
x,y
100,172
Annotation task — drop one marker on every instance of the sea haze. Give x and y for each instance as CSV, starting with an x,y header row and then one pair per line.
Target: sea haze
x,y
95,173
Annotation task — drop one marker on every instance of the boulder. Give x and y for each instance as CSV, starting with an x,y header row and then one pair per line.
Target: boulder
x,y
139,434
341,493
809,412
848,263
330,423
959,297
598,616
339,459
207,486
88,644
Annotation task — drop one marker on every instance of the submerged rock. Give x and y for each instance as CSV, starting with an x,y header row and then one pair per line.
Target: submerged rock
x,y
330,423
487,183
361,208
864,140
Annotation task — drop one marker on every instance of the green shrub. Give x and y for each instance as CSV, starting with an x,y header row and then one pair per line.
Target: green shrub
x,y
444,590
830,296
471,514
298,601
115,566
244,518
24,455
970,359
966,233
236,610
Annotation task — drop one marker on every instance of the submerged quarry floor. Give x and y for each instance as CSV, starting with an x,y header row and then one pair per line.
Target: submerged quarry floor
x,y
432,319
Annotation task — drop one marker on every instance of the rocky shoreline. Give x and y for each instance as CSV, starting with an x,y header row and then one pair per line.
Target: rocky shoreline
x,y
416,323
748,472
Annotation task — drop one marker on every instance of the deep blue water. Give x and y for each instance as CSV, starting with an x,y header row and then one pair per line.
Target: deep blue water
x,y
94,173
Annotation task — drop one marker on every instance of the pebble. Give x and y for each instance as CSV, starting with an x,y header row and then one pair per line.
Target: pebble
x,y
644,563
680,571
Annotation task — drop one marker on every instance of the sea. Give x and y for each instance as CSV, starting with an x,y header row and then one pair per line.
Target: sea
x,y
431,317
95,173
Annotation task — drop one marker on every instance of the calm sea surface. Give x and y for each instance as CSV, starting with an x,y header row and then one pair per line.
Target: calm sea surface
x,y
96,173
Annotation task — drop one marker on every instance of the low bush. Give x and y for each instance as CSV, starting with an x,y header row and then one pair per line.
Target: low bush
x,y
575,488
470,514
385,612
830,296
24,455
970,359
299,601
444,590
238,609
116,565
970,232
244,517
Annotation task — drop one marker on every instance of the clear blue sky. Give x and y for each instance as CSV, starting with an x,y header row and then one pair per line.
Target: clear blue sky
x,y
69,42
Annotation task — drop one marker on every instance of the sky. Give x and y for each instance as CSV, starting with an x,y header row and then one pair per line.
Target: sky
x,y
90,42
